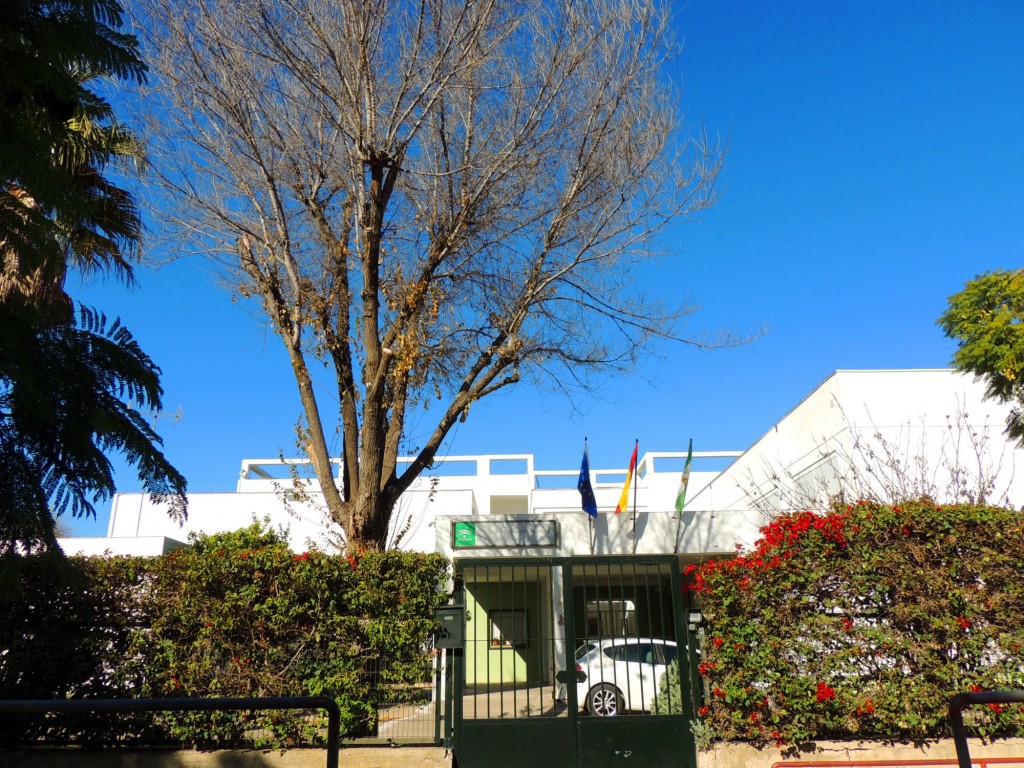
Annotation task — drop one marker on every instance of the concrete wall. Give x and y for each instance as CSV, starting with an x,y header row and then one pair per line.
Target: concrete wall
x,y
656,533
95,546
725,756
744,756
134,515
350,757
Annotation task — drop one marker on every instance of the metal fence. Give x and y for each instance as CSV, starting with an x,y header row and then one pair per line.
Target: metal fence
x,y
397,702
120,709
407,698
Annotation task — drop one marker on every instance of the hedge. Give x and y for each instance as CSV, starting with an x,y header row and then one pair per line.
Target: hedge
x,y
863,623
235,614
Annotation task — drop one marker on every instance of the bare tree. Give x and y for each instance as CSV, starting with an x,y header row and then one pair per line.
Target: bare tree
x,y
434,199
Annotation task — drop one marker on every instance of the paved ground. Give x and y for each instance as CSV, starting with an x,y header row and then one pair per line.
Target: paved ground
x,y
535,701
415,723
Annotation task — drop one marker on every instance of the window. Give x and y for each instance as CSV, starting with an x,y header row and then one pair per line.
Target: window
x,y
583,650
508,628
667,652
632,653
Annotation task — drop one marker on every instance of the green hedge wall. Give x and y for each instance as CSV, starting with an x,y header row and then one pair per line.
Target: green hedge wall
x,y
233,615
863,623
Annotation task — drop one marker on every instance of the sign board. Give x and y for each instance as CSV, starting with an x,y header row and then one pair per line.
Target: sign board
x,y
464,535
505,534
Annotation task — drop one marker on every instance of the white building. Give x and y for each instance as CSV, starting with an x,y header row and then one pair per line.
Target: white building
x,y
880,434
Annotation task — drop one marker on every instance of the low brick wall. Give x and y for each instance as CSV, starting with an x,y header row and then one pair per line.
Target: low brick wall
x,y
723,756
351,757
743,756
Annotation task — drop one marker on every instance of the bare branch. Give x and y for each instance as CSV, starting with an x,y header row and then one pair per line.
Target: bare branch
x,y
435,199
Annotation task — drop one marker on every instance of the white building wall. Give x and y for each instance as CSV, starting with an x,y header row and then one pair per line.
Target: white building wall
x,y
457,486
135,515
694,534
918,431
933,429
105,546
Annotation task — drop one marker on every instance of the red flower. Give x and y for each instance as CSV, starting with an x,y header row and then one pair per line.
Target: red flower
x,y
717,642
963,622
703,711
847,623
718,692
996,707
352,561
301,558
753,717
704,667
974,688
825,693
867,708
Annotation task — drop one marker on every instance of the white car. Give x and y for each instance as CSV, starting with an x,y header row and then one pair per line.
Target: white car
x,y
622,674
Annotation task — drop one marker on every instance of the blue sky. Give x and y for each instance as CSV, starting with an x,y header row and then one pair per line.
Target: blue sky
x,y
876,162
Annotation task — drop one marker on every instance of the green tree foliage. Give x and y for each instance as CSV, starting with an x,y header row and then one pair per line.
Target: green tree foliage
x,y
57,135
67,626
235,614
863,623
70,383
986,319
69,396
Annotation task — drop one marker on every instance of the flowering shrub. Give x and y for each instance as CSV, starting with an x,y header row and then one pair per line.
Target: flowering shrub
x,y
235,614
863,623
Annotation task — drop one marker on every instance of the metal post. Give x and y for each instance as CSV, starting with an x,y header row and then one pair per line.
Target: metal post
x,y
956,717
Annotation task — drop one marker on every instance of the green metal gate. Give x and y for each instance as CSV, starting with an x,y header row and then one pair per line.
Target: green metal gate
x,y
567,662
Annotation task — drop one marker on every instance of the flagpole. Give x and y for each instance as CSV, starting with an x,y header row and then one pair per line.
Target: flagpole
x,y
636,481
590,520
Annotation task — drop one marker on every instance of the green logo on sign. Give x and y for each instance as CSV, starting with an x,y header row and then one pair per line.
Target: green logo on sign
x,y
465,534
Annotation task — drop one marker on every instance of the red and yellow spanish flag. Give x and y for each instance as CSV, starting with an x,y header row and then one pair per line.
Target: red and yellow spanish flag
x,y
624,498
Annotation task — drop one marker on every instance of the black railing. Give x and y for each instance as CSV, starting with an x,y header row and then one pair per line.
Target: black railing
x,y
120,706
396,700
956,716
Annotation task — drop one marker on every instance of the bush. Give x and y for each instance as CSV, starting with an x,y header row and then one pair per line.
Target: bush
x,y
66,633
863,623
233,615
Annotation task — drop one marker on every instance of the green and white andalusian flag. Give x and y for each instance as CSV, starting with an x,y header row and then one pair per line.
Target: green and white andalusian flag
x,y
684,480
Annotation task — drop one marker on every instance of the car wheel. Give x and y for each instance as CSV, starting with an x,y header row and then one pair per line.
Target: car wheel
x,y
604,700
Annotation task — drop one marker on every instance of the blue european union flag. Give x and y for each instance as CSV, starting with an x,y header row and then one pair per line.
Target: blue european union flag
x,y
585,488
